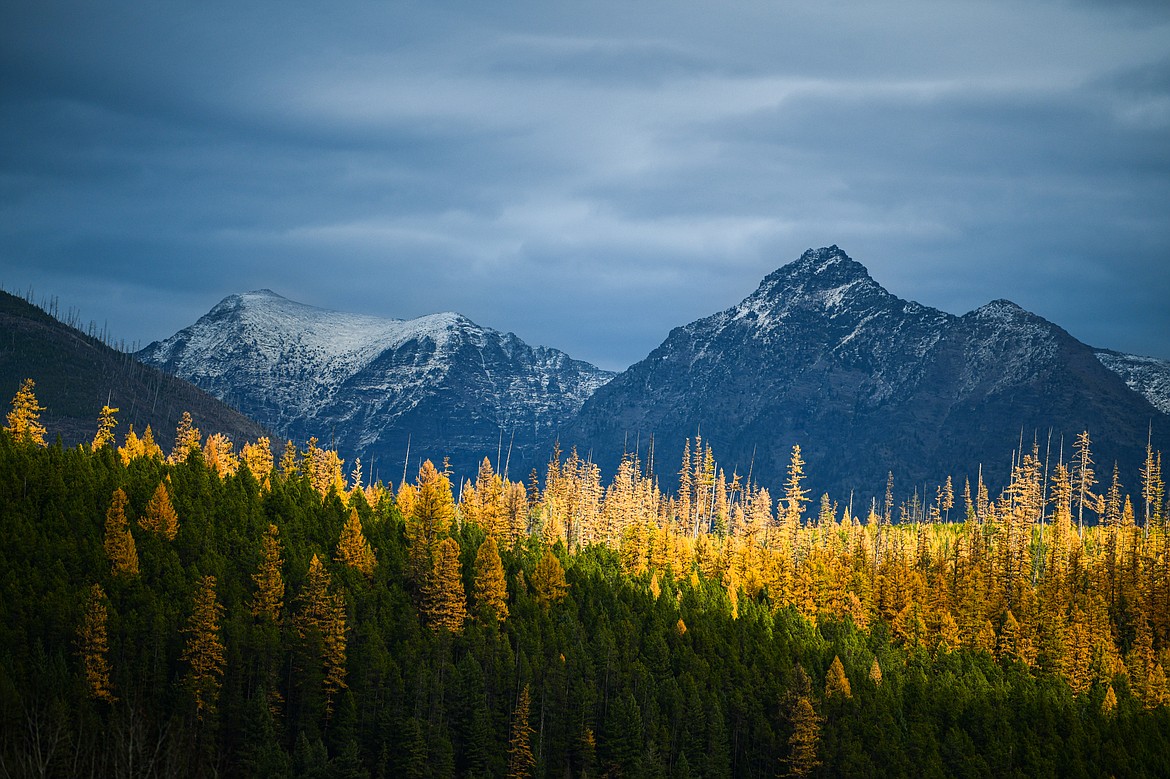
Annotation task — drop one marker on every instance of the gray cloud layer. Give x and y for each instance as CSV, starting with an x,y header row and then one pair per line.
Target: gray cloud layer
x,y
586,175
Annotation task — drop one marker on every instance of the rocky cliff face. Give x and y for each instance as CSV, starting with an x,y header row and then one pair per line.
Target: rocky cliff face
x,y
449,386
822,356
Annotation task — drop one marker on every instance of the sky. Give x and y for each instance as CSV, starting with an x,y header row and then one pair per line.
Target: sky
x,y
586,175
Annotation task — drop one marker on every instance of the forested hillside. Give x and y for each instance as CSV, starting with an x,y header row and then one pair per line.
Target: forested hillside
x,y
230,610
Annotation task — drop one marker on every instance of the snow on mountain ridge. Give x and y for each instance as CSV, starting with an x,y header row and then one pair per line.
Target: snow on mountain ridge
x,y
1149,376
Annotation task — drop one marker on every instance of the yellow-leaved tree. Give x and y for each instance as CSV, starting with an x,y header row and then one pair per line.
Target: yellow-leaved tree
x,y
521,762
204,650
444,600
119,544
24,420
353,549
257,457
490,593
160,516
322,620
836,682
268,599
186,439
548,580
94,646
431,513
105,430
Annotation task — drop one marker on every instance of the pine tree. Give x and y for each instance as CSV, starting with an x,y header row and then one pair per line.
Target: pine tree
x,y
795,496
204,650
119,543
490,592
94,646
353,549
836,682
290,461
268,600
521,762
132,448
444,600
431,514
806,735
149,447
548,580
1109,704
160,516
105,431
24,420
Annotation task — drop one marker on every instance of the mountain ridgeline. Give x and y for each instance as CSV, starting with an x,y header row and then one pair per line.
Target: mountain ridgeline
x,y
819,355
867,384
76,374
440,384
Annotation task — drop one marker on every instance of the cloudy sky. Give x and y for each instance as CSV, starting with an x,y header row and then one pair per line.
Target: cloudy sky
x,y
587,175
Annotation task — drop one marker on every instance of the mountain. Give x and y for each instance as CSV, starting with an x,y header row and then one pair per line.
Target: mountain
x,y
1146,375
441,383
76,374
822,356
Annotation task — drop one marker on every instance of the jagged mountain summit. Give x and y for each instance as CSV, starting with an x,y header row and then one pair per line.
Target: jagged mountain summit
x,y
822,356
440,382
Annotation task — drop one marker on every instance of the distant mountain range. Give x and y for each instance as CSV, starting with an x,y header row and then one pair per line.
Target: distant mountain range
x,y
819,355
76,374
822,356
440,384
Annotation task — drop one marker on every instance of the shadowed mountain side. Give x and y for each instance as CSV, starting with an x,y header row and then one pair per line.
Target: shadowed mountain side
x,y
77,374
866,383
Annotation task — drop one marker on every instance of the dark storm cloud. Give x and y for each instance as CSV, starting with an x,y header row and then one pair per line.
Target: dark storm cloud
x,y
588,177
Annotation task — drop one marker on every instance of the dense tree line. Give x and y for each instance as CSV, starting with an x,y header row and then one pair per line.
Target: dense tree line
x,y
207,611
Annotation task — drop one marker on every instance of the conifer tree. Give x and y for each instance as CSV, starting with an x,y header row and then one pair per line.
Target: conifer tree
x,y
490,593
836,682
149,447
548,580
1083,477
875,672
160,516
444,600
806,736
257,457
105,431
290,461
322,619
131,448
24,420
1109,704
204,650
795,496
94,646
119,543
521,762
187,439
353,549
268,600
432,511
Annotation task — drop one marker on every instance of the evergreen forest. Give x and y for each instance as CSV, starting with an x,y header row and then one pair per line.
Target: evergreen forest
x,y
228,608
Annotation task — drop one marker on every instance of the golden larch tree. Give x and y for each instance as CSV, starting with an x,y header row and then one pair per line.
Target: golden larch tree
x,y
353,549
94,647
521,762
322,618
204,650
429,520
268,600
186,439
160,516
806,735
257,458
490,593
444,600
24,420
105,431
836,682
119,543
131,448
548,580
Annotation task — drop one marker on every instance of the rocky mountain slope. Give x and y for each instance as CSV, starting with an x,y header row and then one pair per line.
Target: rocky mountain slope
x,y
1146,375
440,382
76,374
822,356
